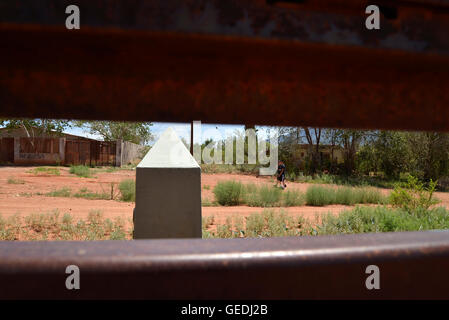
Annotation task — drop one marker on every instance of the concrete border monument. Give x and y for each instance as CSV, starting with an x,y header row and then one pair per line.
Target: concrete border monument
x,y
168,192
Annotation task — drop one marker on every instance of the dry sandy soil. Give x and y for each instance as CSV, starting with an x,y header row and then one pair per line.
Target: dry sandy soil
x,y
22,199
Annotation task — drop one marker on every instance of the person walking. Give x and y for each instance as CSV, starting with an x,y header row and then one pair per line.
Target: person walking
x,y
281,174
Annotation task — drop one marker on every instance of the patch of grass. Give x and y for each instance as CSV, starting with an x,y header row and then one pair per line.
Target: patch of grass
x,y
26,194
382,219
51,226
45,171
205,202
63,192
15,181
292,198
265,224
263,196
230,168
80,171
87,194
128,190
319,196
229,193
322,196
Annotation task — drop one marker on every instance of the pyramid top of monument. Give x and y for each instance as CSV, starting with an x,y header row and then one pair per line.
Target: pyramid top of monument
x,y
168,152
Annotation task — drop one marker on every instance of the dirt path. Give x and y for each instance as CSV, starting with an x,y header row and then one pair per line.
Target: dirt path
x,y
22,199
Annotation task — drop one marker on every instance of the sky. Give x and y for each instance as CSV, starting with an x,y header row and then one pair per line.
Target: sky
x,y
208,131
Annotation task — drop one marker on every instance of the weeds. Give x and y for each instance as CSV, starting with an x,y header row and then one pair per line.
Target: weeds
x,y
264,196
414,195
322,196
15,181
63,192
87,194
45,171
51,226
229,193
265,224
128,190
80,171
382,219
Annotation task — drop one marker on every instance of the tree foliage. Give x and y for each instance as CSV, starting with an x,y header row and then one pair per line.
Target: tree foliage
x,y
136,132
35,127
390,153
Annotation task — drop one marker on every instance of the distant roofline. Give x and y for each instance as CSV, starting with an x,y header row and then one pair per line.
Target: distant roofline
x,y
59,133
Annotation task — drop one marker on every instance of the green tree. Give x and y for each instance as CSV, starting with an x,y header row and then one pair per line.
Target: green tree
x,y
136,132
393,153
33,128
431,153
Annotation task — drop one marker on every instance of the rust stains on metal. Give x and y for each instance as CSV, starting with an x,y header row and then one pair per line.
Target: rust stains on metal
x,y
153,76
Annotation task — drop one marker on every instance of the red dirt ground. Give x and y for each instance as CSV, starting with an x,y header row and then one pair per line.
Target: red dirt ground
x,y
16,199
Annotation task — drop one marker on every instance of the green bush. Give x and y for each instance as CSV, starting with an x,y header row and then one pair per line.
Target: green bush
x,y
264,196
80,171
346,196
128,190
292,198
414,195
320,196
382,219
229,193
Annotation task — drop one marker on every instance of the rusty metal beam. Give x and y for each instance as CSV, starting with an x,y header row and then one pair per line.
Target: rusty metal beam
x,y
228,62
258,62
412,265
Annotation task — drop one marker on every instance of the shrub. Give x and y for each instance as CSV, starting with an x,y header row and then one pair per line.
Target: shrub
x,y
319,196
292,198
229,193
382,219
370,195
128,190
80,171
346,196
264,196
414,195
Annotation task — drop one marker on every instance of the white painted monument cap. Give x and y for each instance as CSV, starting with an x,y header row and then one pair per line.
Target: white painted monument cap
x,y
168,152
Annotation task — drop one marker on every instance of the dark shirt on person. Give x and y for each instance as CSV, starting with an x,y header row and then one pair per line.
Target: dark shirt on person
x,y
281,169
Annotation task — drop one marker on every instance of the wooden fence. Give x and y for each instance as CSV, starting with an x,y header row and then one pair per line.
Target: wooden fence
x,y
92,153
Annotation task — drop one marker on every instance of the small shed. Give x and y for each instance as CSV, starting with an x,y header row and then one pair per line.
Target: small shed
x,y
19,148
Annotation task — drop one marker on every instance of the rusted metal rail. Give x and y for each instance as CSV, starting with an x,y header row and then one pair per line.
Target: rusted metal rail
x,y
228,61
413,265
259,62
